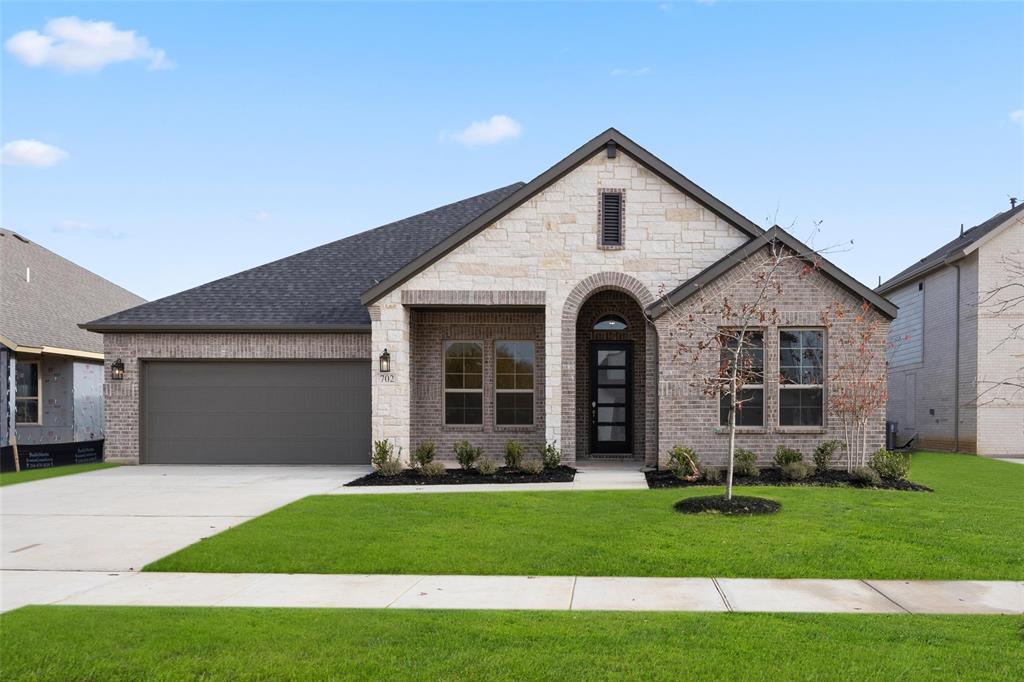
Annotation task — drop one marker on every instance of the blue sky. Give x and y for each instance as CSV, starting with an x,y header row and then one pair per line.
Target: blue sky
x,y
241,133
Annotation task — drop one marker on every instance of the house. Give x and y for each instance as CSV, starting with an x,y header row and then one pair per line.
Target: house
x,y
535,312
51,371
957,367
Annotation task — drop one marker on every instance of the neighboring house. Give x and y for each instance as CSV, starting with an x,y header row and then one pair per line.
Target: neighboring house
x,y
533,312
954,349
51,371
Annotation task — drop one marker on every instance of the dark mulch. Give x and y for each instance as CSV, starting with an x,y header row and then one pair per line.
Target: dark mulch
x,y
772,476
562,474
737,506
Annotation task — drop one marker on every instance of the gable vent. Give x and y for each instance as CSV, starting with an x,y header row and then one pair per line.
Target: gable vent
x,y
611,218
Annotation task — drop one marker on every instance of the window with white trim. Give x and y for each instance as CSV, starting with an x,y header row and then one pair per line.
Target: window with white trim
x,y
463,382
750,410
27,392
801,377
513,383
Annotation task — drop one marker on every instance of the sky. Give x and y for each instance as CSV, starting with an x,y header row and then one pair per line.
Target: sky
x,y
164,145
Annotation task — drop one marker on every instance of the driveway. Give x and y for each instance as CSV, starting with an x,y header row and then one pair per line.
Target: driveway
x,y
119,520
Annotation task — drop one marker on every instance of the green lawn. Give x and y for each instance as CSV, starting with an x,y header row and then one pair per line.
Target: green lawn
x,y
969,528
135,643
12,477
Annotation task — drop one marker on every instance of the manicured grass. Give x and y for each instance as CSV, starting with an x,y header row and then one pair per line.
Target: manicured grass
x,y
135,643
969,528
12,477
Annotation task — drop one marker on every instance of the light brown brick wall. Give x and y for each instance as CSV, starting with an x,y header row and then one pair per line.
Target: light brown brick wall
x,y
121,398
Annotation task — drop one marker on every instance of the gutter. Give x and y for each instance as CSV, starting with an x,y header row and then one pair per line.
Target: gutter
x,y
220,328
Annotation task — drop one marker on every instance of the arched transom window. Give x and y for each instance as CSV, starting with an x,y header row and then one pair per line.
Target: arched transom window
x,y
610,323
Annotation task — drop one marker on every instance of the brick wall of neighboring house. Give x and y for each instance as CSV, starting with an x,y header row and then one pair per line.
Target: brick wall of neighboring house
x,y
596,307
689,417
121,398
430,330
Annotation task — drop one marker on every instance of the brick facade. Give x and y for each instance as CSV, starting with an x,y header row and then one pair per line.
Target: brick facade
x,y
121,398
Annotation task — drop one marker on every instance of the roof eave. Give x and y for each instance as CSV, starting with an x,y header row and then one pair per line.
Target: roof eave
x,y
127,328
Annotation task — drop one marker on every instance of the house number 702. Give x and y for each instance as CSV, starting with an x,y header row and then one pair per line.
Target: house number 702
x,y
387,378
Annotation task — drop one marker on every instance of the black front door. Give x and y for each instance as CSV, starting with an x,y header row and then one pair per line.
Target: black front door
x,y
611,398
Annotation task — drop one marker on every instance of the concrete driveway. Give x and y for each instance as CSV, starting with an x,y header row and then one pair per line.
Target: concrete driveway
x,y
119,520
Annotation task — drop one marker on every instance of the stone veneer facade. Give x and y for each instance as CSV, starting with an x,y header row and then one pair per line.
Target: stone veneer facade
x,y
121,398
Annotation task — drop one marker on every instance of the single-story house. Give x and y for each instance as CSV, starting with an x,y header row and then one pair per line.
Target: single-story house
x,y
957,364
534,312
51,371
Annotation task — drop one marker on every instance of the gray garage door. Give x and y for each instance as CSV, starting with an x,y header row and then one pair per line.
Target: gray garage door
x,y
256,412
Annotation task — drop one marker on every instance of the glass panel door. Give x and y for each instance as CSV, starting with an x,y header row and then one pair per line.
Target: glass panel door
x,y
611,398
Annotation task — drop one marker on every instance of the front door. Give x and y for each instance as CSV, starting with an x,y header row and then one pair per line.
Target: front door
x,y
611,398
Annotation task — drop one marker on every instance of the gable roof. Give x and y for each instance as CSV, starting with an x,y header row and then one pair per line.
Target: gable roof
x,y
524,193
316,289
950,251
739,254
44,296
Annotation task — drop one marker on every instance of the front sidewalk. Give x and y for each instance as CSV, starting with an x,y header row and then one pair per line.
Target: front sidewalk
x,y
513,592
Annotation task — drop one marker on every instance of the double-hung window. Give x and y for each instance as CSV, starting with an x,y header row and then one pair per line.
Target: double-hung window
x,y
26,392
513,386
463,382
801,377
750,397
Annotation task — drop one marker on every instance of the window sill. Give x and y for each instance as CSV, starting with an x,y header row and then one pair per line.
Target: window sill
x,y
800,429
517,428
463,428
724,430
611,247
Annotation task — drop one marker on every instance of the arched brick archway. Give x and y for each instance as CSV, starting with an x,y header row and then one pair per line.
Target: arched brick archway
x,y
607,281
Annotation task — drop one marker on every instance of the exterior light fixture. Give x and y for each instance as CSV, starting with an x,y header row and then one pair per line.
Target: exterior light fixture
x,y
385,362
117,370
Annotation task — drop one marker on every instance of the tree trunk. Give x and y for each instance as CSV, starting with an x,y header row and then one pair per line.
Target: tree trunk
x,y
732,447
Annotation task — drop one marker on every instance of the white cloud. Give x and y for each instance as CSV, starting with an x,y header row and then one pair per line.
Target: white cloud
x,y
630,72
495,129
71,44
78,227
1017,116
31,153
261,216
665,7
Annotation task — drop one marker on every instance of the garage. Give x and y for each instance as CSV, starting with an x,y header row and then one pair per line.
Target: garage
x,y
255,412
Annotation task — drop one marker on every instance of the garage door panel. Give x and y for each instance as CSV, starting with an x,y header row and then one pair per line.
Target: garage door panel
x,y
256,412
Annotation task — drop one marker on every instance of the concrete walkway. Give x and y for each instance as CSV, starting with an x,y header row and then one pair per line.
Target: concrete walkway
x,y
18,588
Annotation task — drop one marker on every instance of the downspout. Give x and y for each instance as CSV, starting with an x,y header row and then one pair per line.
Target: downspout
x,y
956,367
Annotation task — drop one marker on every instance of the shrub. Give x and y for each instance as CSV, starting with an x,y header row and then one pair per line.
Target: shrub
x,y
711,474
867,476
550,456
531,466
487,467
784,455
383,456
467,454
513,454
424,453
746,463
390,468
889,464
684,463
794,471
823,454
433,469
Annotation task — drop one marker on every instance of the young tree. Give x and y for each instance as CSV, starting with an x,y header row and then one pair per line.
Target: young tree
x,y
1004,302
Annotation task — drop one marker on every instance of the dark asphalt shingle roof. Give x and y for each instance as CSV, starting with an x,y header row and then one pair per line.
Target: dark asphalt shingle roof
x,y
937,258
316,288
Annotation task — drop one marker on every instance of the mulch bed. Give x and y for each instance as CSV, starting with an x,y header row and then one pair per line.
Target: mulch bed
x,y
737,506
772,476
562,474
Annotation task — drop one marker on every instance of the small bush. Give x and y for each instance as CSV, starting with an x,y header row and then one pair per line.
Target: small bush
x,y
867,476
467,454
784,456
487,467
550,456
390,468
424,453
746,463
383,457
711,474
513,454
794,471
889,464
825,453
531,466
433,469
684,463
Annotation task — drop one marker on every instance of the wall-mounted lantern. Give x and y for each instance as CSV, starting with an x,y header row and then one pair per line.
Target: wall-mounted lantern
x,y
385,362
117,370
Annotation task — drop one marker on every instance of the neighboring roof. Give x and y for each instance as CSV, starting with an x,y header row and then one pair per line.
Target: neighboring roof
x,y
43,297
950,251
738,255
610,136
316,289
